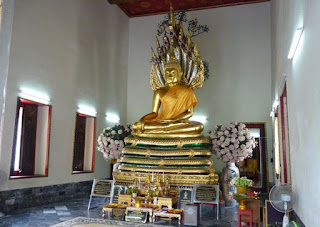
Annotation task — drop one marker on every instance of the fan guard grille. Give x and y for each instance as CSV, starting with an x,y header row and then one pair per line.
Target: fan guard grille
x,y
275,197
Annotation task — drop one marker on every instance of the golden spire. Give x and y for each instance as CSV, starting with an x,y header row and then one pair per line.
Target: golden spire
x,y
153,55
164,29
196,53
195,50
181,30
189,40
172,18
157,41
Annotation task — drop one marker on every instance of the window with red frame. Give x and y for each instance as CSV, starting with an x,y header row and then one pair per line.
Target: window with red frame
x,y
84,144
284,139
30,151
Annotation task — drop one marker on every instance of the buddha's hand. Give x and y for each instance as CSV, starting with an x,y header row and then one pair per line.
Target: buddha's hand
x,y
148,117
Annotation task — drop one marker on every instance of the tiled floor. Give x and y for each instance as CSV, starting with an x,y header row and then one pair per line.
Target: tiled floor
x,y
55,213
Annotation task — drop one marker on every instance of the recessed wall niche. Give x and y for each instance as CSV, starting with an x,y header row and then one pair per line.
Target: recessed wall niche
x,y
30,152
84,144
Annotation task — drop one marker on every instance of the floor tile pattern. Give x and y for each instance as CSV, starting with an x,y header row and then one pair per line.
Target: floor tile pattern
x,y
55,213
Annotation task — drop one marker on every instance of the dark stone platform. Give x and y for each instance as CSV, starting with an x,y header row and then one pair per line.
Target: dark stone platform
x,y
54,213
29,197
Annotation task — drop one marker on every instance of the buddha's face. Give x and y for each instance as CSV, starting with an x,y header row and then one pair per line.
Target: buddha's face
x,y
172,75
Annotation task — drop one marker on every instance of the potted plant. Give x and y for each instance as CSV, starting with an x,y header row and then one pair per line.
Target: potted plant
x,y
135,192
242,184
129,191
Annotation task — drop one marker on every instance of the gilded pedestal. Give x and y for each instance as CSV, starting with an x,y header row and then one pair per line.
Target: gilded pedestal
x,y
184,161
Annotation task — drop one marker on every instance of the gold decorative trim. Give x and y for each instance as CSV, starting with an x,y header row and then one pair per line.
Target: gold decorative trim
x,y
164,170
167,136
162,162
166,142
174,179
167,152
192,154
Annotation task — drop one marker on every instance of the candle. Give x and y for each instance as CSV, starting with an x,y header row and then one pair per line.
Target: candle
x,y
152,178
163,177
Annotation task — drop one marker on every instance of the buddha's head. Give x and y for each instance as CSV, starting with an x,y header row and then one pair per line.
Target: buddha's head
x,y
172,73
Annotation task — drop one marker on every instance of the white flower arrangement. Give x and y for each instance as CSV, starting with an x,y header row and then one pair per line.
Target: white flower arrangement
x,y
232,143
111,141
241,182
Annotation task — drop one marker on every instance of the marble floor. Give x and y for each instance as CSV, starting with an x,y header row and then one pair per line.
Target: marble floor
x,y
55,213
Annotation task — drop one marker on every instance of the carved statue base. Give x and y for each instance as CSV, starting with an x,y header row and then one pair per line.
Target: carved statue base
x,y
184,161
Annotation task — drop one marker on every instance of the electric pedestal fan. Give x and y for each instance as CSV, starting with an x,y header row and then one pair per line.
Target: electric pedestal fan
x,y
282,199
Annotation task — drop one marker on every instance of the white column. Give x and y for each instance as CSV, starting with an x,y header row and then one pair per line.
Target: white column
x,y
5,43
89,140
42,139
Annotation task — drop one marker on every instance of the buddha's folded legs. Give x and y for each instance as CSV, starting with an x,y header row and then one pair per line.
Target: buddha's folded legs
x,y
190,127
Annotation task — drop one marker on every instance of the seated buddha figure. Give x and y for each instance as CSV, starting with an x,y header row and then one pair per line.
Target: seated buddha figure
x,y
173,105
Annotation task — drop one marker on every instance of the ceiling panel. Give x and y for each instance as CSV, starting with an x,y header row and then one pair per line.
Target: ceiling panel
x,y
138,8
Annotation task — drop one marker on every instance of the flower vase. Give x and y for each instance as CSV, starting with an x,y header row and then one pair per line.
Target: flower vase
x,y
155,200
228,173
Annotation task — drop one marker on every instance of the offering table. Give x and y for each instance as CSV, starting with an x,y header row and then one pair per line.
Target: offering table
x,y
142,209
167,201
165,214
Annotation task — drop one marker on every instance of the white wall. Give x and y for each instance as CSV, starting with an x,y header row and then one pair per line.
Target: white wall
x,y
76,52
237,48
303,97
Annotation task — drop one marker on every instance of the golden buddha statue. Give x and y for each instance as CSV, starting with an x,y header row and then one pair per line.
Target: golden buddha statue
x,y
175,73
165,141
177,102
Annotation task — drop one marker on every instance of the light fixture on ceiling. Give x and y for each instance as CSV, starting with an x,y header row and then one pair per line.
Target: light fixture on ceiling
x,y
112,118
35,96
86,110
295,42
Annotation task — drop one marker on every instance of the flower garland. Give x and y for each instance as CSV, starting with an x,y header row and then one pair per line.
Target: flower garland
x,y
111,141
232,143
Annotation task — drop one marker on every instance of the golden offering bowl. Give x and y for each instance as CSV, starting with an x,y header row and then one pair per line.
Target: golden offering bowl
x,y
175,211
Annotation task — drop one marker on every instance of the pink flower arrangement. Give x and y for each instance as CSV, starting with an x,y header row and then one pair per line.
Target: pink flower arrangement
x,y
111,141
233,142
